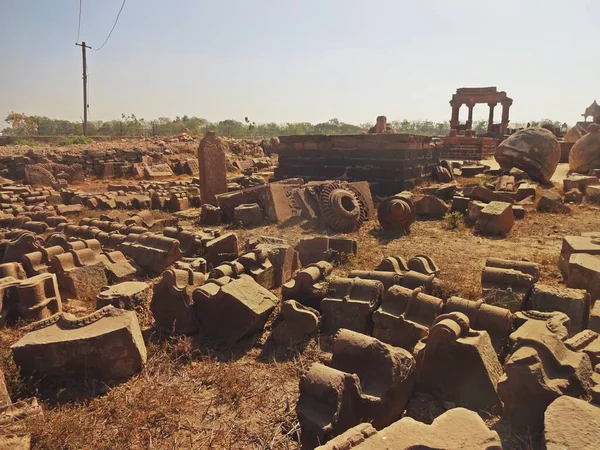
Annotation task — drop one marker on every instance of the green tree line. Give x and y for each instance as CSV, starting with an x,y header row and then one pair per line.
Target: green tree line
x,y
130,125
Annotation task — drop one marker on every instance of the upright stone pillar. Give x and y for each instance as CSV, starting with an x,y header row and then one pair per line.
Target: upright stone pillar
x,y
491,118
455,114
470,120
212,168
505,120
381,124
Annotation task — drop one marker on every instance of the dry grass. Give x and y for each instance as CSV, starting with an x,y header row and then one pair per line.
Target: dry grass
x,y
194,393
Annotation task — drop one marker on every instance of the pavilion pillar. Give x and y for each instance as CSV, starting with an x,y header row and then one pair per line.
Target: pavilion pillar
x,y
455,114
470,119
505,115
491,117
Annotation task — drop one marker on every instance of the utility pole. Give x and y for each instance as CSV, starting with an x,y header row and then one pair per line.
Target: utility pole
x,y
85,104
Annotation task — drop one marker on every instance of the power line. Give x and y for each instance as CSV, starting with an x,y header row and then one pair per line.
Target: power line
x,y
79,23
112,29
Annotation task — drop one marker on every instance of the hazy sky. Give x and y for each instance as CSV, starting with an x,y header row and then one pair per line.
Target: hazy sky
x,y
301,60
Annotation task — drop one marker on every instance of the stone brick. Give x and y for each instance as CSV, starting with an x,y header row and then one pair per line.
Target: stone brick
x,y
495,218
575,303
107,344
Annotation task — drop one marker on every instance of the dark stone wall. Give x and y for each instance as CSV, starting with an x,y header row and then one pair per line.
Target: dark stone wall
x,y
390,162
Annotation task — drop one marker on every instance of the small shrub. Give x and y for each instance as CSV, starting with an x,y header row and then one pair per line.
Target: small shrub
x,y
25,141
70,140
453,221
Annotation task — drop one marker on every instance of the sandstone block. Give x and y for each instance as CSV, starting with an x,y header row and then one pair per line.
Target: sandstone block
x,y
571,423
495,218
456,429
107,344
575,303
234,310
431,206
298,321
129,295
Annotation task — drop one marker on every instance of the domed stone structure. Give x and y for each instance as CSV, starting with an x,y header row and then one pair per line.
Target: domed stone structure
x,y
534,150
585,154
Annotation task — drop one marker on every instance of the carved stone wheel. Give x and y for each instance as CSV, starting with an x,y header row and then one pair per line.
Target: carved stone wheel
x,y
342,207
396,213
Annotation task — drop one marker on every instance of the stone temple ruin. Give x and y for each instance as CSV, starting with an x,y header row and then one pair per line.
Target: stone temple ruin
x,y
184,246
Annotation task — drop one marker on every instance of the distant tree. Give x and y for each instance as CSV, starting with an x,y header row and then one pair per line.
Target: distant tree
x,y
20,124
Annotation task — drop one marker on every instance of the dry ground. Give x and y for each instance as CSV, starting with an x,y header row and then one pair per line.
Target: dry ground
x,y
194,393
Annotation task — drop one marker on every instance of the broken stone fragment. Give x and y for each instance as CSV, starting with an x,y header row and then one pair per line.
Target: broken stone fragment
x,y
571,423
234,309
575,303
456,429
431,206
106,344
471,383
540,369
552,202
495,218
298,321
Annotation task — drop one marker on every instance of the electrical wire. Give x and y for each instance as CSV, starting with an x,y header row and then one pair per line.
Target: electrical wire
x,y
79,23
112,29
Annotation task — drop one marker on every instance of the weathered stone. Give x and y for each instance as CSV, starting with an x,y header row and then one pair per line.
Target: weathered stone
x,y
552,202
540,369
350,302
481,193
283,257
534,150
118,268
573,196
423,264
575,303
130,295
460,204
594,322
323,248
456,429
39,297
493,319
248,215
4,397
431,206
388,279
471,383
397,212
234,310
474,210
495,218
588,342
107,344
152,252
571,423
585,153
387,375
579,182
405,316
343,208
307,286
329,404
592,193
172,304
23,243
212,167
519,212
574,245
507,288
221,249
298,321
525,190
210,215
80,273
